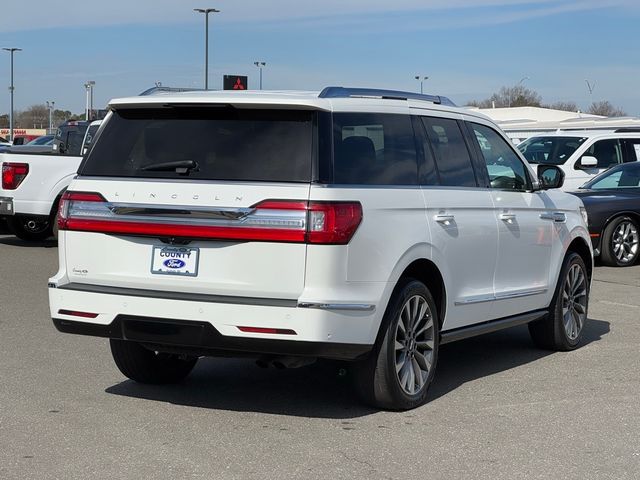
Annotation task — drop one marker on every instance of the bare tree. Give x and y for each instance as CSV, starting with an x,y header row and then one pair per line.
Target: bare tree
x,y
567,106
36,116
516,96
606,109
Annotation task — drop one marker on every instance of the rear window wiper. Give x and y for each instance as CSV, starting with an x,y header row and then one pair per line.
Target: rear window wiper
x,y
181,167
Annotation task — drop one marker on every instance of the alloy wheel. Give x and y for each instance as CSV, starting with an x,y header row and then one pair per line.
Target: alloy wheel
x,y
625,242
414,344
574,302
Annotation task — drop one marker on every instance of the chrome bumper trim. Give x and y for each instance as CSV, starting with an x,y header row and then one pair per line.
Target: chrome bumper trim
x,y
357,307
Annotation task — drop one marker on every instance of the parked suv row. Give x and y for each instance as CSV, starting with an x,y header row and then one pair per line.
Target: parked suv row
x,y
583,154
354,224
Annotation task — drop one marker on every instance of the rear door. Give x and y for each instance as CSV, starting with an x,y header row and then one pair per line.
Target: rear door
x,y
219,212
608,152
461,221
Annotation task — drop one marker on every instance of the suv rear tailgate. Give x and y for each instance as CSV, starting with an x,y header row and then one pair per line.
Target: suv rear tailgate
x,y
235,268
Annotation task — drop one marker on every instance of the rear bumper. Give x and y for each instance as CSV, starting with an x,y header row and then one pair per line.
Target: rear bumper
x,y
201,338
210,326
6,207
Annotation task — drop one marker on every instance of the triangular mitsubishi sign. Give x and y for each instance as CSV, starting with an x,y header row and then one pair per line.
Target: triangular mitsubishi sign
x,y
235,82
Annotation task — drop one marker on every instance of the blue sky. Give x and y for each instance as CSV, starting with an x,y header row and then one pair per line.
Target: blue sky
x,y
468,48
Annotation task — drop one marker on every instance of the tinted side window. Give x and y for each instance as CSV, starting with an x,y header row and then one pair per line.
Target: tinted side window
x,y
452,156
608,152
506,170
633,150
627,176
374,149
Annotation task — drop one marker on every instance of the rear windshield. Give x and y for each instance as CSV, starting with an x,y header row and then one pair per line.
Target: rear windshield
x,y
550,150
69,138
206,143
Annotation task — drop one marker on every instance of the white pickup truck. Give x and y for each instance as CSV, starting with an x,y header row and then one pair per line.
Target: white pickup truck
x,y
32,186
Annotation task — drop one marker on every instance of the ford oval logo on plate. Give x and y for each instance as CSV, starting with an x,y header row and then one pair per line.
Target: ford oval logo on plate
x,y
174,260
174,263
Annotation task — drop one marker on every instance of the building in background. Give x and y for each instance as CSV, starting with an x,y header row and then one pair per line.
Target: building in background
x,y
520,123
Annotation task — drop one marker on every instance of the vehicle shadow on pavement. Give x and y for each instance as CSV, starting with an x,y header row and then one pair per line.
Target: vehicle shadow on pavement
x,y
317,391
482,356
16,242
323,390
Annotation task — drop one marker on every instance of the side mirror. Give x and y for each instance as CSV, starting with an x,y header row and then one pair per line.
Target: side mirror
x,y
588,162
550,176
62,147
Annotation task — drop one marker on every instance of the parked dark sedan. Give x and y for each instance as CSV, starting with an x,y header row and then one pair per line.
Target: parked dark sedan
x,y
612,200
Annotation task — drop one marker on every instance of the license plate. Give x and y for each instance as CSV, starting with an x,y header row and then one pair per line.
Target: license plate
x,y
175,261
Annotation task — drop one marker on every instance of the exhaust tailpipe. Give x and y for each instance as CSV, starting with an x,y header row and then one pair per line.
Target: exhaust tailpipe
x,y
292,362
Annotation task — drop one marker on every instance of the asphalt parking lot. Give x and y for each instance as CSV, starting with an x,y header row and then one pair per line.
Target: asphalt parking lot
x,y
499,408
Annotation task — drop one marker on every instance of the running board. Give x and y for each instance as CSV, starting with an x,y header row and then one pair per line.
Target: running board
x,y
490,326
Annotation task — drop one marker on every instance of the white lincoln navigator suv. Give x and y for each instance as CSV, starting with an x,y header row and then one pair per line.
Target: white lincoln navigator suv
x,y
353,224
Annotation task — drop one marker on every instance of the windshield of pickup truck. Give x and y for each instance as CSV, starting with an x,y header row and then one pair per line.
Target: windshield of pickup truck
x,y
550,150
206,143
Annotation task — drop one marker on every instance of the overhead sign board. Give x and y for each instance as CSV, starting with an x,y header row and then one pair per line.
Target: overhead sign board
x,y
236,82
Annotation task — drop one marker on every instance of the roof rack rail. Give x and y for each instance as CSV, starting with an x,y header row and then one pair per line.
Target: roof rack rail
x,y
154,90
627,130
345,92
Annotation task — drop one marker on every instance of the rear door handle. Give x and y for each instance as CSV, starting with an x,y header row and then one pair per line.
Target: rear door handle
x,y
444,218
508,217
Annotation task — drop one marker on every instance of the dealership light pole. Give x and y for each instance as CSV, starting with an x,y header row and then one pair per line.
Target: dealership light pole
x,y
50,106
260,65
11,50
421,80
206,12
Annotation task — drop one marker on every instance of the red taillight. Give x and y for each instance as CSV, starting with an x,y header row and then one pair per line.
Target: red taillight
x,y
13,174
294,221
333,222
68,198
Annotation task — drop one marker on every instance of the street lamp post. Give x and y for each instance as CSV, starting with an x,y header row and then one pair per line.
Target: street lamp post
x,y
421,80
11,51
206,12
260,65
50,106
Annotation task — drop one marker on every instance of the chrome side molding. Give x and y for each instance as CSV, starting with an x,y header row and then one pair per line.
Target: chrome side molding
x,y
501,296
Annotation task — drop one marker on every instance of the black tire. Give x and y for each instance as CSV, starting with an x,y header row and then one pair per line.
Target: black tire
x,y
608,254
551,333
54,226
146,366
30,229
375,377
